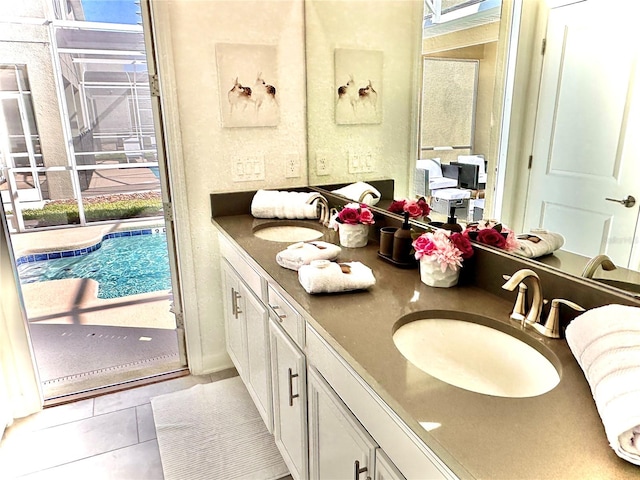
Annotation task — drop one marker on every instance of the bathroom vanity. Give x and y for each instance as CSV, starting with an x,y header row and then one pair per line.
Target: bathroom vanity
x,y
343,402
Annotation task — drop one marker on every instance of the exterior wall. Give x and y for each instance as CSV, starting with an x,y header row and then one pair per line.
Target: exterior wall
x,y
29,45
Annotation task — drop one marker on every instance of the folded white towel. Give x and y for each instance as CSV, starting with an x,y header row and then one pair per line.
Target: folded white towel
x,y
322,276
283,204
538,242
606,344
303,253
360,192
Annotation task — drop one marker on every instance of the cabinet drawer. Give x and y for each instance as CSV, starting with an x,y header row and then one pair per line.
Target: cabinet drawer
x,y
246,271
287,316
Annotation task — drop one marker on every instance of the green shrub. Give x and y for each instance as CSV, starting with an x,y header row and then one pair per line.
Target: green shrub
x,y
64,214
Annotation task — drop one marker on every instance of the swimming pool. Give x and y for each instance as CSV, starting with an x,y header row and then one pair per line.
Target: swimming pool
x,y
123,263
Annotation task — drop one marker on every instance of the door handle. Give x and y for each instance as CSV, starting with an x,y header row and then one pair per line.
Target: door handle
x,y
291,395
357,470
628,202
236,297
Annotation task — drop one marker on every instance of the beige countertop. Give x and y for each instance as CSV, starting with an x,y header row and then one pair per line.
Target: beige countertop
x,y
557,435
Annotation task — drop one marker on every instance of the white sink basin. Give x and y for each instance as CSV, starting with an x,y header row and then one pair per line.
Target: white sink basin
x,y
476,357
287,233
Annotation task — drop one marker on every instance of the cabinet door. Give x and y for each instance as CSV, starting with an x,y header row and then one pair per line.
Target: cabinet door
x,y
385,469
339,446
258,374
289,401
233,318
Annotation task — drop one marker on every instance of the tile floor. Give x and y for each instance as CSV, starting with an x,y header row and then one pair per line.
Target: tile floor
x,y
107,437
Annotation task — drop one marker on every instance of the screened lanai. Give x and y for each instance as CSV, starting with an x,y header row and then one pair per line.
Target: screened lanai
x,y
105,150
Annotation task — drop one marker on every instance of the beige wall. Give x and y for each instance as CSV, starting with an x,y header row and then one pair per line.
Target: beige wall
x,y
186,34
392,27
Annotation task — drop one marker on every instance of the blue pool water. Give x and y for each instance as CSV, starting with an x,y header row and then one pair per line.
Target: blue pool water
x,y
122,266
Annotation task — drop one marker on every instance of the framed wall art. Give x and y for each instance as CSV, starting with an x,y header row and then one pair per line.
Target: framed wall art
x,y
358,86
248,81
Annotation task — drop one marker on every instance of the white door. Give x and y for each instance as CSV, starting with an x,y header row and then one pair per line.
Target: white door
x,y
587,148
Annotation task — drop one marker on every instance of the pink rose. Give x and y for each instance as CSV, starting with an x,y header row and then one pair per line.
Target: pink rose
x,y
366,216
426,209
397,206
424,246
413,209
349,216
491,237
463,244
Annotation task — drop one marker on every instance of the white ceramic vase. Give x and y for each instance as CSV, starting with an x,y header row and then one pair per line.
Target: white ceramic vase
x,y
431,274
353,236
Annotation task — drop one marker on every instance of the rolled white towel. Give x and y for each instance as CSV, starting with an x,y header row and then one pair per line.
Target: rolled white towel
x,y
323,276
303,253
360,192
606,344
283,204
538,242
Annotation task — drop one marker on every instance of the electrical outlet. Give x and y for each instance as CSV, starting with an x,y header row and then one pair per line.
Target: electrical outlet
x,y
322,163
292,165
354,162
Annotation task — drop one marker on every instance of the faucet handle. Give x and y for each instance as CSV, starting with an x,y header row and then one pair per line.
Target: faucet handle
x,y
520,305
551,328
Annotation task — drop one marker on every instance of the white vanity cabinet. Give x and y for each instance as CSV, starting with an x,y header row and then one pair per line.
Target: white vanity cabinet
x,y
385,469
326,420
339,446
247,336
289,400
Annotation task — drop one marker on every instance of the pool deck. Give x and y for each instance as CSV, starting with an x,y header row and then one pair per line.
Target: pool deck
x,y
75,300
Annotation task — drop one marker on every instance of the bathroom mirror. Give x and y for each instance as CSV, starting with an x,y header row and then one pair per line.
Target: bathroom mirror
x,y
343,153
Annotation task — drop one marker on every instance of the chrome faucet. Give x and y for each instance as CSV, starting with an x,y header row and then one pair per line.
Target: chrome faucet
x,y
364,194
324,213
597,261
533,316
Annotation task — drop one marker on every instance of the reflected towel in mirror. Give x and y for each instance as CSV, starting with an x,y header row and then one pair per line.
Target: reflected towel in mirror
x,y
538,242
360,192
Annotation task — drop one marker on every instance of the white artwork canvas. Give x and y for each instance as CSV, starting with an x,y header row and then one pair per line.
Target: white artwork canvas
x,y
247,76
358,91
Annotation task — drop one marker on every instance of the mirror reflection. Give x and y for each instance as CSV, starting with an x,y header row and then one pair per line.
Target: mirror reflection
x,y
587,152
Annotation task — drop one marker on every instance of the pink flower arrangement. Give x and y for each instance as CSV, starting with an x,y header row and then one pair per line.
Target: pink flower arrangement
x,y
447,248
353,214
492,233
415,208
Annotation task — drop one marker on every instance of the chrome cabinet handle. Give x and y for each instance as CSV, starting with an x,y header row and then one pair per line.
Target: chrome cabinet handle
x,y
236,308
291,395
281,316
357,471
628,202
233,303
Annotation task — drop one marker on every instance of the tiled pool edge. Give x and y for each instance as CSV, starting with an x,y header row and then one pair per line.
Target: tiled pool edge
x,y
78,252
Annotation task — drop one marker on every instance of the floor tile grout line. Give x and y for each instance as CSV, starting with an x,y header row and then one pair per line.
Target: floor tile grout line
x,y
86,458
93,415
135,413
